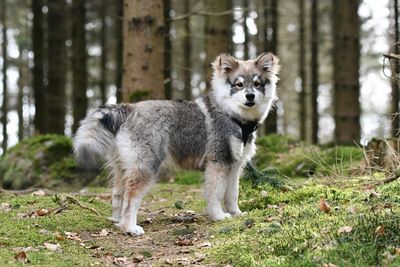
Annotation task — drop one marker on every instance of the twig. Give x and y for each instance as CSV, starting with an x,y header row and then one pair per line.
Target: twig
x,y
75,201
392,56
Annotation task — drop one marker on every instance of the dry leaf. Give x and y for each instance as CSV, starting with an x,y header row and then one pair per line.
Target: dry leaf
x,y
120,260
345,229
138,258
183,242
351,210
324,206
53,247
21,257
168,261
6,207
380,230
39,193
329,265
72,236
204,245
59,236
42,212
103,232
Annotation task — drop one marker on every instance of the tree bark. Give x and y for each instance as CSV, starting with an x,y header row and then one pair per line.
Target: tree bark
x,y
144,37
79,62
57,58
103,58
168,50
302,71
395,65
187,54
119,49
271,123
246,30
314,71
4,107
218,33
39,90
346,63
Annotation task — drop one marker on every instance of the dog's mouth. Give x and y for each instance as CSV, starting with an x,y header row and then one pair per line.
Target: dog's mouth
x,y
250,103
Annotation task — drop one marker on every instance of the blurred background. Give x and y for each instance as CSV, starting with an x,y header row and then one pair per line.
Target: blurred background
x,y
62,58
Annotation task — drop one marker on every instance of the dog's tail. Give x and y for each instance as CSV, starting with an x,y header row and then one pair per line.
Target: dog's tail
x,y
95,139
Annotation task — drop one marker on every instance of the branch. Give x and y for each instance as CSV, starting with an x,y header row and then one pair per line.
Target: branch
x,y
392,56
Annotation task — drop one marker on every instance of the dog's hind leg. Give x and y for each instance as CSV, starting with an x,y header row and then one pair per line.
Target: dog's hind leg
x,y
136,186
215,186
117,194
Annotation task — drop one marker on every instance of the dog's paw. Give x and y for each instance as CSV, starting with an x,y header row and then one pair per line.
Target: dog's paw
x,y
237,212
135,230
220,216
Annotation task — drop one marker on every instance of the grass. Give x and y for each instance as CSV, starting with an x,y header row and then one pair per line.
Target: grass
x,y
281,227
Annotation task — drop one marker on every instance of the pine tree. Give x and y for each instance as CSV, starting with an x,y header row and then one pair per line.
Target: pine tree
x,y
346,64
57,64
79,59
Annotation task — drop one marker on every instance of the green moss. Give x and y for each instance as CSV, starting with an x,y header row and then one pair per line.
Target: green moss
x,y
139,95
40,161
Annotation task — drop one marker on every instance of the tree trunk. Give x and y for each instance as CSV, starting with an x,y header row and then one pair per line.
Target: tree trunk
x,y
39,91
246,30
79,59
271,123
144,33
168,50
119,49
395,65
57,58
218,33
187,46
314,71
346,63
4,107
103,58
302,72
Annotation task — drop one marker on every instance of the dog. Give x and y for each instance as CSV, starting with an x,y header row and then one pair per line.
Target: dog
x,y
215,134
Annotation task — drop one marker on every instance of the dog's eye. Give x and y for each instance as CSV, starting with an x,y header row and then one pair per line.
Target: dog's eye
x,y
256,84
239,85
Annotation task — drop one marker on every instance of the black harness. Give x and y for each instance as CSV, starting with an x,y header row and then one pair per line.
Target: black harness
x,y
247,127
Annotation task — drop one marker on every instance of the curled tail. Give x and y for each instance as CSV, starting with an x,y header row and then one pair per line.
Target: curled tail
x,y
95,138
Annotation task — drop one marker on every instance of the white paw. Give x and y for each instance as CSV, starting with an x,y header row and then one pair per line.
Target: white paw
x,y
236,212
135,230
220,216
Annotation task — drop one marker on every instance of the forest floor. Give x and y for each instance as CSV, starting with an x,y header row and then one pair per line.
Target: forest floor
x,y
313,225
327,216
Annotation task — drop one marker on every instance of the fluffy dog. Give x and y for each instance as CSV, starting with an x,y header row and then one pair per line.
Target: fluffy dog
x,y
215,133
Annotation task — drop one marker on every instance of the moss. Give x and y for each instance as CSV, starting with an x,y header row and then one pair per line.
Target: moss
x,y
40,161
139,95
298,159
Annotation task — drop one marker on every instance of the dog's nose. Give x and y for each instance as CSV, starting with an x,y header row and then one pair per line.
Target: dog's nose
x,y
250,96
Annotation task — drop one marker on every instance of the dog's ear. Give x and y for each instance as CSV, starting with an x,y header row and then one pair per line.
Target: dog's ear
x,y
225,63
268,62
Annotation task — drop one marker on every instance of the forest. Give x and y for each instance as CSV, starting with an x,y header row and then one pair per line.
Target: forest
x,y
322,190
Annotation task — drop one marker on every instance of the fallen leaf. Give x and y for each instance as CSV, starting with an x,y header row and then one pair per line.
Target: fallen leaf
x,y
351,210
21,257
72,236
6,207
372,193
39,193
329,265
380,230
53,247
184,242
204,245
345,229
168,261
42,212
59,236
120,260
183,261
103,232
138,258
324,206
199,257
263,193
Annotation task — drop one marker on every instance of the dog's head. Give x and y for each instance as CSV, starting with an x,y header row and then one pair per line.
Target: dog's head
x,y
245,87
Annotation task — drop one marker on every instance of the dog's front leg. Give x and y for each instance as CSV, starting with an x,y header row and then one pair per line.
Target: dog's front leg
x,y
215,186
232,191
